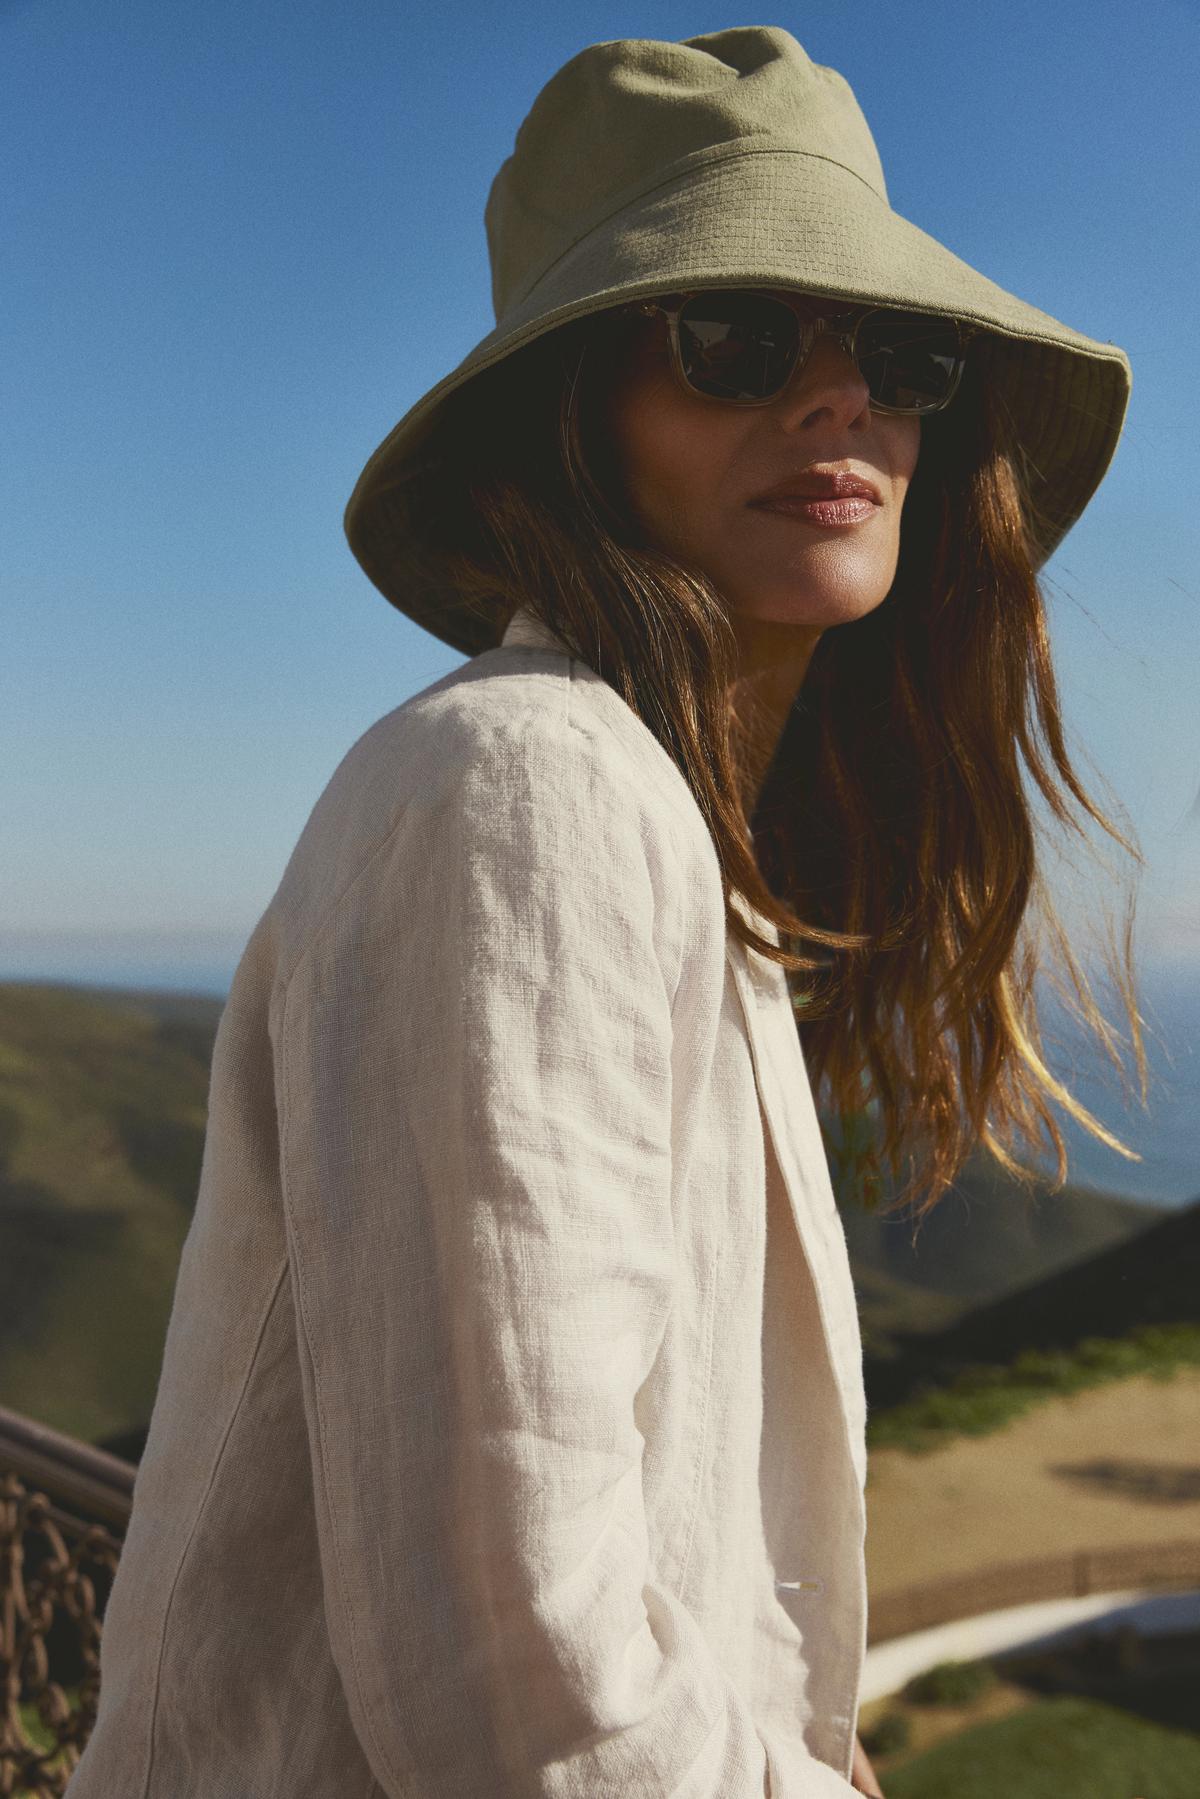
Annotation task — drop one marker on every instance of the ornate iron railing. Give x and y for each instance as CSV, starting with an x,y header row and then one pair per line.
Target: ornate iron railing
x,y
64,1507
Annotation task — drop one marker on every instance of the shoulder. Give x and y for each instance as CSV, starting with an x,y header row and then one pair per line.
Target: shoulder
x,y
512,731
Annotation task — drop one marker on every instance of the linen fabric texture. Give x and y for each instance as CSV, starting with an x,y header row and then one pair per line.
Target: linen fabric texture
x,y
509,1437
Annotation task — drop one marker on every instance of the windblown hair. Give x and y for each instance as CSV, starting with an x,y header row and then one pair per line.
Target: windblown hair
x,y
893,832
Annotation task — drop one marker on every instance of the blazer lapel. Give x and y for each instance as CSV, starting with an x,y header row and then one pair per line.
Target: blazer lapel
x,y
785,1094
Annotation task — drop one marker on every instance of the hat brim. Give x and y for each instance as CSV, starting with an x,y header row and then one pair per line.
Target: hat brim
x,y
805,223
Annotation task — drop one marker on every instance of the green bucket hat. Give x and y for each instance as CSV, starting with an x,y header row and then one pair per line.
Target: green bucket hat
x,y
730,159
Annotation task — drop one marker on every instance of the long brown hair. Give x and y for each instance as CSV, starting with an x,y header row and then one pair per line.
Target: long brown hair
x,y
893,832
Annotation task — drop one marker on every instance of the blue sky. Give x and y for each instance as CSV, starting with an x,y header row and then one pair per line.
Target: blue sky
x,y
240,240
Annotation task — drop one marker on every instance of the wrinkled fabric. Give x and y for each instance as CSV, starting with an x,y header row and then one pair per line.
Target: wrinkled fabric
x,y
509,1432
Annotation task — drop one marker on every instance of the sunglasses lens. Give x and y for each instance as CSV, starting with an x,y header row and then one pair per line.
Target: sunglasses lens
x,y
737,346
742,345
909,363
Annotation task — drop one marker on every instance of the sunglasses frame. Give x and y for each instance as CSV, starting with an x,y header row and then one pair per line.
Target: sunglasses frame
x,y
842,327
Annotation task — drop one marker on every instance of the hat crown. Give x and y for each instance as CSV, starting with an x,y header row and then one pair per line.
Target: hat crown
x,y
626,116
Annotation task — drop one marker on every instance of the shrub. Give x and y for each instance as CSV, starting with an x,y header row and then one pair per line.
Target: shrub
x,y
891,1734
979,1399
950,1683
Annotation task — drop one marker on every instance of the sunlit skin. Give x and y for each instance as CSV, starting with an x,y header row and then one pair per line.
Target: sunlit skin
x,y
690,465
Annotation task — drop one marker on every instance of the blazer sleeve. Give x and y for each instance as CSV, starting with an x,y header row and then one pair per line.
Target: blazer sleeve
x,y
474,1064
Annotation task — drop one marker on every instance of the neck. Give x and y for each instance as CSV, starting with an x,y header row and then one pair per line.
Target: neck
x,y
773,659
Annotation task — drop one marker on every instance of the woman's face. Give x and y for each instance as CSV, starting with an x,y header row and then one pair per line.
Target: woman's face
x,y
693,469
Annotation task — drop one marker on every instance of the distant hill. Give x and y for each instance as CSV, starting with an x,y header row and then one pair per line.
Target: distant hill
x,y
103,1096
988,1236
1150,1278
103,1099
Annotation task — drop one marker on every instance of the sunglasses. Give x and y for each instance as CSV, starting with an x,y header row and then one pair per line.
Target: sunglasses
x,y
742,346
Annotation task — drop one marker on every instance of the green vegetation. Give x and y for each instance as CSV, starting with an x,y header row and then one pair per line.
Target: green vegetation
x,y
981,1399
1111,1715
951,1683
889,1736
989,1236
1062,1748
41,1737
990,1243
103,1099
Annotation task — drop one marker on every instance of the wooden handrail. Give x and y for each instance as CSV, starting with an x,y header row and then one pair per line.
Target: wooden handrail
x,y
1165,1567
97,1484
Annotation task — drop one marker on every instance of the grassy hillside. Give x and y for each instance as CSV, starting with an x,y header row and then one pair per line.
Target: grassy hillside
x,y
1064,1748
987,1237
102,1111
1150,1279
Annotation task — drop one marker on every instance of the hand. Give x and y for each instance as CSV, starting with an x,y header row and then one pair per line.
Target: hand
x,y
862,1774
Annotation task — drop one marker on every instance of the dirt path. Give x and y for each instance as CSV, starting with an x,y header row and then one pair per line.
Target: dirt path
x,y
1116,1466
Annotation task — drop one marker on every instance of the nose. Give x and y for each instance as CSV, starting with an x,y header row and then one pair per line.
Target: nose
x,y
825,388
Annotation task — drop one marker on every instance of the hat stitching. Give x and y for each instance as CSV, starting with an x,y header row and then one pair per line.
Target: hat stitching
x,y
695,159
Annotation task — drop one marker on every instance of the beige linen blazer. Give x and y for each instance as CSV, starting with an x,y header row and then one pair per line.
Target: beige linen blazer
x,y
509,1437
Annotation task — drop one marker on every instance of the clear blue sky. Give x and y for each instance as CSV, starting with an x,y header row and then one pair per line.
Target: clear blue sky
x,y
241,239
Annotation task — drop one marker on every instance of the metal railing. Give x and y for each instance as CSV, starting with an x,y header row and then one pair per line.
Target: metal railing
x,y
64,1508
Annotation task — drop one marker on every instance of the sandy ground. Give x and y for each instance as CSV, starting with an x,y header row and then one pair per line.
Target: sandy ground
x,y
1118,1465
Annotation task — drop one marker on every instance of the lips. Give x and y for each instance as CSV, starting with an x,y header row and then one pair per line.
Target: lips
x,y
814,484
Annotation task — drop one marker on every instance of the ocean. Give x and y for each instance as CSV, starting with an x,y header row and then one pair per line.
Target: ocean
x,y
1167,1133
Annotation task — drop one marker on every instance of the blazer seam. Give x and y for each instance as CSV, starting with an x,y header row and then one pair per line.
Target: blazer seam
x,y
709,1338
199,1513
321,1446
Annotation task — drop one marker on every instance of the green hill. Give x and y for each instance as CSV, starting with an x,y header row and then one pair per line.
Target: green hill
x,y
1152,1278
987,1237
103,1097
102,1112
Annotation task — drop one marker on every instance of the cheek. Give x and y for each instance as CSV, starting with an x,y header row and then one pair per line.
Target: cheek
x,y
655,447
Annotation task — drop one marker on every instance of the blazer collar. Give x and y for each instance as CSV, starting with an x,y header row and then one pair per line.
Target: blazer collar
x,y
526,631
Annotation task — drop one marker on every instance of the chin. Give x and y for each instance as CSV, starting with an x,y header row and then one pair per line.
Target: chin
x,y
831,584
816,611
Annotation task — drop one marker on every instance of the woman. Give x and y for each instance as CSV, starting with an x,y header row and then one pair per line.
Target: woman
x,y
509,1437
